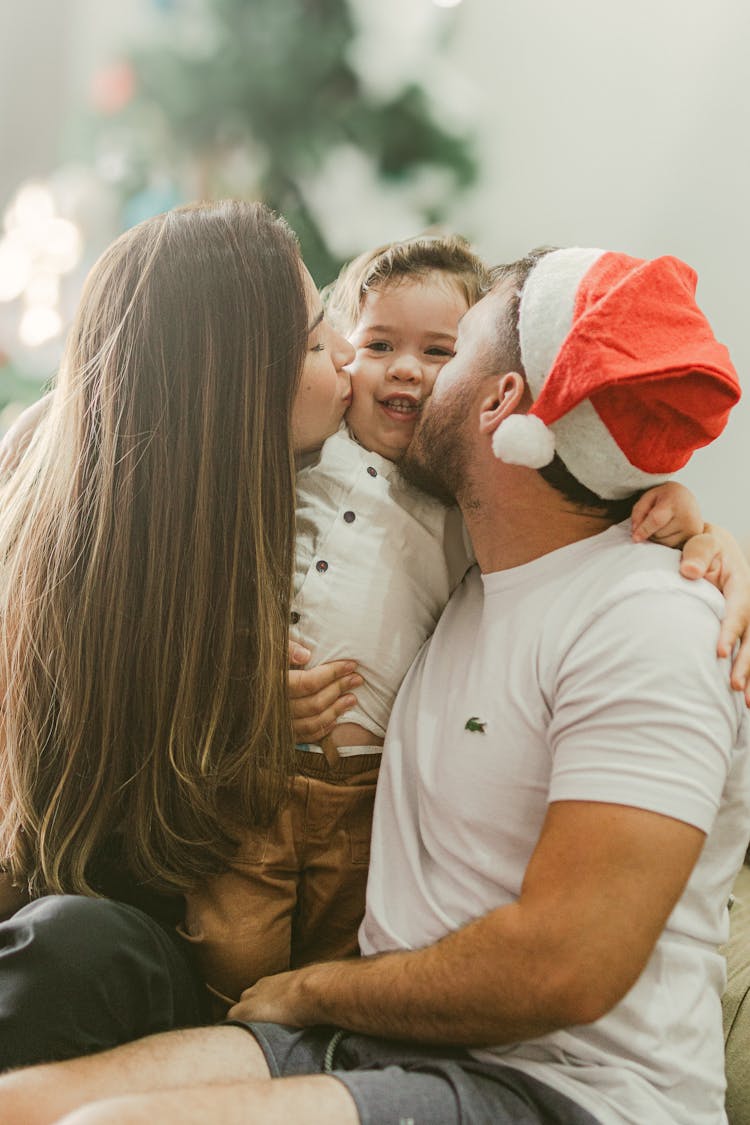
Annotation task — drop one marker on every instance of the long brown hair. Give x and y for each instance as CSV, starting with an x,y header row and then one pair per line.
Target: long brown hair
x,y
146,553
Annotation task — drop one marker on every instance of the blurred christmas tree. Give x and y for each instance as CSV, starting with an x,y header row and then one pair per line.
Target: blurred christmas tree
x,y
254,98
312,105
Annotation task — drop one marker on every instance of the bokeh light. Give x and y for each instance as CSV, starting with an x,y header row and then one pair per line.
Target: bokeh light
x,y
38,325
38,248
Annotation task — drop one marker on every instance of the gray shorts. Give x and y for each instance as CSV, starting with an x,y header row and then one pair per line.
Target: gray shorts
x,y
402,1084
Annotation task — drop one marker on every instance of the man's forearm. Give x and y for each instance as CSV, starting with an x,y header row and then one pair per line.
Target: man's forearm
x,y
471,988
591,908
431,996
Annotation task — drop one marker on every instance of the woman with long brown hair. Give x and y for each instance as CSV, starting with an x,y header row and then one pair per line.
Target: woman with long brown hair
x,y
146,555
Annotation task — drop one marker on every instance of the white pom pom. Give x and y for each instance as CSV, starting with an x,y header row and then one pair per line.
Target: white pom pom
x,y
523,439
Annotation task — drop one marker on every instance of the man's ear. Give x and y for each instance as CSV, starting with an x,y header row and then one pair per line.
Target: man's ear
x,y
504,400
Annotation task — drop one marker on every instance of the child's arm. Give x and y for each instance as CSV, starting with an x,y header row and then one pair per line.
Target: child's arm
x,y
18,436
668,514
717,556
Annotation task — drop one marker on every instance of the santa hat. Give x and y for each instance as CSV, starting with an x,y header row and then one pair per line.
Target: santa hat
x,y
626,375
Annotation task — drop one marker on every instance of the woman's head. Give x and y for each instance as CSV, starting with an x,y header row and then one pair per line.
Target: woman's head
x,y
325,387
196,318
146,548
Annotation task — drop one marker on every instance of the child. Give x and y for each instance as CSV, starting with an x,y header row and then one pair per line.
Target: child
x,y
376,558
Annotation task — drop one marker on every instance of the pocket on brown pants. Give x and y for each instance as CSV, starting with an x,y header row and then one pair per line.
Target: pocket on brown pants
x,y
238,924
333,878
294,893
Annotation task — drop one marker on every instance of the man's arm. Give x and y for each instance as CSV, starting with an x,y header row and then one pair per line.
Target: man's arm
x,y
641,715
592,906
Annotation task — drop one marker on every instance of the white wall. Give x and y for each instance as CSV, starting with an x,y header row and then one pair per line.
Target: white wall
x,y
34,50
49,50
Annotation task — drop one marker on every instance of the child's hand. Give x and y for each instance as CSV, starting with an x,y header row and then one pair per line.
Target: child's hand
x,y
319,696
18,436
668,514
717,556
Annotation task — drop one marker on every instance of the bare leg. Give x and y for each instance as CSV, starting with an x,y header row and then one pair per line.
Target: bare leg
x,y
316,1100
38,1095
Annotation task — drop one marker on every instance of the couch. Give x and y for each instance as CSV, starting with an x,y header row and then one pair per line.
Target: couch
x,y
736,1004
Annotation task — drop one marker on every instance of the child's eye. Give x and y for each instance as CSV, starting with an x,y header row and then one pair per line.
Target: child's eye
x,y
444,353
379,346
318,348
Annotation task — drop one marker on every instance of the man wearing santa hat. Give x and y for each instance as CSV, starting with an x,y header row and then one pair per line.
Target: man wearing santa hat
x,y
564,797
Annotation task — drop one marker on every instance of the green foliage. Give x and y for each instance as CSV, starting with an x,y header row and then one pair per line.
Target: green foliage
x,y
272,79
277,73
17,388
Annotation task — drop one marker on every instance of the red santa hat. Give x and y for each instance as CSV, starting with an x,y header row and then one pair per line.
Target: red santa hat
x,y
626,375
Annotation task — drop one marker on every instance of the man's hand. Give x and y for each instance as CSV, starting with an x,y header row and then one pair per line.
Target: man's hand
x,y
276,999
320,696
717,556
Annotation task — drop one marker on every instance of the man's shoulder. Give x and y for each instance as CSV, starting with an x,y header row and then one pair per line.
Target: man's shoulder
x,y
585,577
635,611
621,571
624,594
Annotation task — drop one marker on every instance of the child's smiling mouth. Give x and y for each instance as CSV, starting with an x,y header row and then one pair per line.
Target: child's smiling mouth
x,y
402,408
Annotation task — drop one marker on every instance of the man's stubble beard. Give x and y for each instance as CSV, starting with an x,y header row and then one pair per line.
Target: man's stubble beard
x,y
436,459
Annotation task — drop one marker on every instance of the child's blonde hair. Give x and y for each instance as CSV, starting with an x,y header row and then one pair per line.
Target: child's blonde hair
x,y
447,254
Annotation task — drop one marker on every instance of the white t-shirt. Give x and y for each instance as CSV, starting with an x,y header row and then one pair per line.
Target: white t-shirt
x,y
593,672
376,561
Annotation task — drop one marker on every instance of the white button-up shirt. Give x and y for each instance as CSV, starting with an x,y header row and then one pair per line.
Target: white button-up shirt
x,y
376,561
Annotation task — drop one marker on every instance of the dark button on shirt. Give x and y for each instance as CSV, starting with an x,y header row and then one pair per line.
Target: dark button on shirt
x,y
321,566
294,617
349,517
371,471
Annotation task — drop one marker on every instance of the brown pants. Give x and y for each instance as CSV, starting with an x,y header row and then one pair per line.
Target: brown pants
x,y
295,893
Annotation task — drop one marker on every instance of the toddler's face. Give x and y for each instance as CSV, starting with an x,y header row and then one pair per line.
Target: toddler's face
x,y
405,333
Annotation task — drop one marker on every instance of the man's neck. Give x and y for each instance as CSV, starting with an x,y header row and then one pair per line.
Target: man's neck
x,y
526,524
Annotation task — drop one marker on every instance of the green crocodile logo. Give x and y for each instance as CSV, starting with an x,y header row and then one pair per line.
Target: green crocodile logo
x,y
474,723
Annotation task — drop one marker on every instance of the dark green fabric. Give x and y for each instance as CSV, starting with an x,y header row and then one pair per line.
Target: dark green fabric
x,y
80,975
